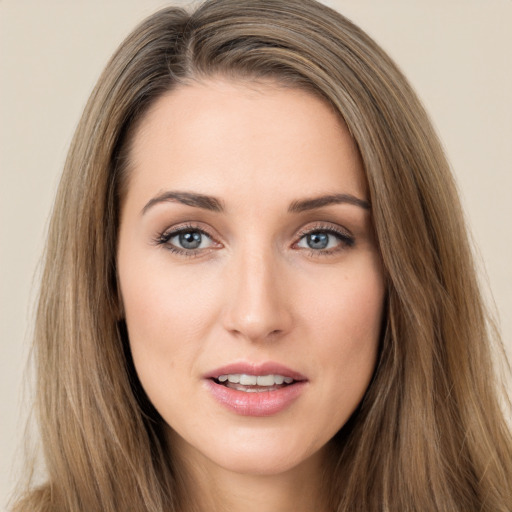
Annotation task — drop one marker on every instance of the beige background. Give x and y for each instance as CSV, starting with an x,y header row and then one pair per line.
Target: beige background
x,y
457,54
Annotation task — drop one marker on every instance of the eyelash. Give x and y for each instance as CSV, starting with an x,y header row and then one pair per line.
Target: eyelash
x,y
163,240
346,240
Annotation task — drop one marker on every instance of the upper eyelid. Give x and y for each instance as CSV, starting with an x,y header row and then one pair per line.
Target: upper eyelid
x,y
332,228
175,230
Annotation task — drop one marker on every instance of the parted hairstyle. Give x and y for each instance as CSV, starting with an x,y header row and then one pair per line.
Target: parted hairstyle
x,y
430,433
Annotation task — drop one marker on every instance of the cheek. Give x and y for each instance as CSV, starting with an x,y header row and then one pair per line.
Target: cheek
x,y
165,317
167,320
164,311
346,326
345,306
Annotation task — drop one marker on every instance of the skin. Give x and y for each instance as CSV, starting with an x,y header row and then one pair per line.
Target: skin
x,y
254,291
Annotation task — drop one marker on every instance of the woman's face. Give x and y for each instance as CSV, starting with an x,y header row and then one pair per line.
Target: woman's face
x,y
251,282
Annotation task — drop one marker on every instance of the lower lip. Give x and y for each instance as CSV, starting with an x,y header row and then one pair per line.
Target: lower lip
x,y
262,403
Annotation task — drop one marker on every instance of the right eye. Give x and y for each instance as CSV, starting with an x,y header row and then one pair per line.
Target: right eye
x,y
191,240
185,240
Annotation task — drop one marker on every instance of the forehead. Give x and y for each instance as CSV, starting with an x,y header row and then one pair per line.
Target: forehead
x,y
229,138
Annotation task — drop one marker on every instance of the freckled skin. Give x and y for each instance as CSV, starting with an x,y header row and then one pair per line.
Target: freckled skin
x,y
255,291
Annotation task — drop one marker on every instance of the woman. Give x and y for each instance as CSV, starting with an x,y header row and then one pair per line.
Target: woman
x,y
258,288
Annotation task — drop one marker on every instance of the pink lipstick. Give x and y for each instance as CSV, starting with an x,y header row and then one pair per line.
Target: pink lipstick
x,y
255,389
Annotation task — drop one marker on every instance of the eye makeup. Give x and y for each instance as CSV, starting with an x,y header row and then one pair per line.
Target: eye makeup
x,y
191,239
194,239
324,240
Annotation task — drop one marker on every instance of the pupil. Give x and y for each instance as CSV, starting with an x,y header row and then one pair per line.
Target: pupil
x,y
318,240
190,240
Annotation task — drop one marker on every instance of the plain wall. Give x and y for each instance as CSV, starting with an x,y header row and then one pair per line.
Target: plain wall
x,y
456,53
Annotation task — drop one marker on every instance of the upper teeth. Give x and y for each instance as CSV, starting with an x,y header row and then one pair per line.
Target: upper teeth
x,y
255,380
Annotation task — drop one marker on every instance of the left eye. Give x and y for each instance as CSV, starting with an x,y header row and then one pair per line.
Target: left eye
x,y
321,240
190,240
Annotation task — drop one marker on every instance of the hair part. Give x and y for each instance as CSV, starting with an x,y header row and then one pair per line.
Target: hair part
x,y
429,434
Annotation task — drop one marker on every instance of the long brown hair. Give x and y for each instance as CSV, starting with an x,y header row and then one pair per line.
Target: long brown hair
x,y
429,434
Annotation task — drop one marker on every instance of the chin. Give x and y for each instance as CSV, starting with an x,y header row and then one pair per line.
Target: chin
x,y
261,464
257,452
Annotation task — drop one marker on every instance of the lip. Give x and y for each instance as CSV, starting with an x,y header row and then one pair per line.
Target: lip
x,y
267,368
264,403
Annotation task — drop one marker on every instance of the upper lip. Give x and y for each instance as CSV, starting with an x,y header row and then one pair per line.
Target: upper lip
x,y
247,368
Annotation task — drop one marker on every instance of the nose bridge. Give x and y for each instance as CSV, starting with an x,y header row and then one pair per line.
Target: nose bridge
x,y
256,308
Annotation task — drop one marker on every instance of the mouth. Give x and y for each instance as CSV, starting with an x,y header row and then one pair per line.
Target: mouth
x,y
254,383
256,389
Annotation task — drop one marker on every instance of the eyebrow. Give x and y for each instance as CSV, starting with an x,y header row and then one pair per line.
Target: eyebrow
x,y
187,198
215,205
319,202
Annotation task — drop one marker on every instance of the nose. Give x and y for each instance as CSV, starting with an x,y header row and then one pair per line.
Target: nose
x,y
258,307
